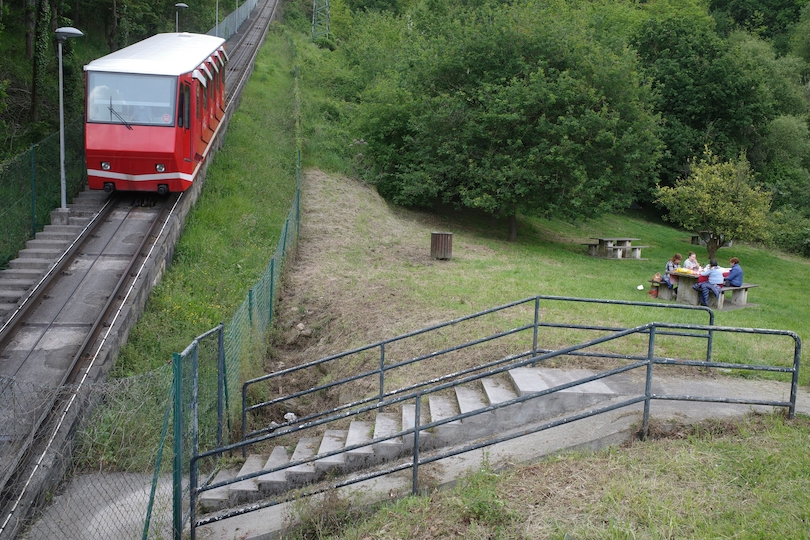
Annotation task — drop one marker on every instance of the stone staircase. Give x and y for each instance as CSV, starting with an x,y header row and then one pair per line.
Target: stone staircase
x,y
39,254
466,398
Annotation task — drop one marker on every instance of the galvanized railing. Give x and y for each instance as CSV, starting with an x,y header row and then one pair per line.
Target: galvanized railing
x,y
647,362
384,368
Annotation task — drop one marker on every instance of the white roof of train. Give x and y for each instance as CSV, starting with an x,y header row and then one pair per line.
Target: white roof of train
x,y
162,54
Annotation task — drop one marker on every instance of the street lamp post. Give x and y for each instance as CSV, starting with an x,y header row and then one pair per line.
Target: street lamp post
x,y
177,8
62,35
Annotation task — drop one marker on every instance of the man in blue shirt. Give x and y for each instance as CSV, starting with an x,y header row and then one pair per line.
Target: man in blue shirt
x,y
735,276
714,284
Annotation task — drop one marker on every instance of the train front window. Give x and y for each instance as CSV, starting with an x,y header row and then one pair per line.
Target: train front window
x,y
127,98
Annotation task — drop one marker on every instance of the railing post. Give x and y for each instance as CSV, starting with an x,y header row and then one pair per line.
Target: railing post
x,y
416,425
536,324
648,386
382,371
244,416
177,484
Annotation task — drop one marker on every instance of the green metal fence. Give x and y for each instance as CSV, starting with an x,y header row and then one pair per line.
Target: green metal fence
x,y
30,187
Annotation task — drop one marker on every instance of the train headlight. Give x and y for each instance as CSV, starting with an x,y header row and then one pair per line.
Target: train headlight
x,y
105,165
160,167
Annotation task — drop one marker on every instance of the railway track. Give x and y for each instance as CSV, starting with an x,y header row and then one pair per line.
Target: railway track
x,y
66,329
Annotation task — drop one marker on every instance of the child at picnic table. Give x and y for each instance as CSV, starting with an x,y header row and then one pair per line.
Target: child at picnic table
x,y
673,264
714,283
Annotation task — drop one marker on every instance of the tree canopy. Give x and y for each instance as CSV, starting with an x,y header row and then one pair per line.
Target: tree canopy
x,y
510,109
718,201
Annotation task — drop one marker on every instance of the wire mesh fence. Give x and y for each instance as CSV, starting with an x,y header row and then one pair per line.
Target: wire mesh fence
x,y
30,187
125,475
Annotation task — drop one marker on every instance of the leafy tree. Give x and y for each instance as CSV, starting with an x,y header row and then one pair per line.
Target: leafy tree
x,y
718,201
510,109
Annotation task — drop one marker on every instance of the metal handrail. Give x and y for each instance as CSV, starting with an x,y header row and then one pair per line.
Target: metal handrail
x,y
381,345
648,361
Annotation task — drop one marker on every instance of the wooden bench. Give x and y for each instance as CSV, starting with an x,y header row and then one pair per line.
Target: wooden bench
x,y
739,296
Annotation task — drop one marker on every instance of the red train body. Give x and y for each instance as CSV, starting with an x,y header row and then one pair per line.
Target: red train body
x,y
152,111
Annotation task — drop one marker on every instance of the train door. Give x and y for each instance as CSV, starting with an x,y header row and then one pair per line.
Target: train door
x,y
184,122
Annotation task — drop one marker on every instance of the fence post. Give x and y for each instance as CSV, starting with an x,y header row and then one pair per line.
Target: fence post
x,y
33,192
222,388
250,308
648,386
177,484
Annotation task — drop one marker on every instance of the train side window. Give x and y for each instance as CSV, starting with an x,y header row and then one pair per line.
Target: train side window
x,y
186,106
180,106
199,102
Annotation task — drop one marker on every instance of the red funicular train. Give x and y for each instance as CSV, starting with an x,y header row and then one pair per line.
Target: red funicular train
x,y
152,111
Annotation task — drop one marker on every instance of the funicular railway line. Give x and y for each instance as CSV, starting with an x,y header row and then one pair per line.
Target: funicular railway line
x,y
67,326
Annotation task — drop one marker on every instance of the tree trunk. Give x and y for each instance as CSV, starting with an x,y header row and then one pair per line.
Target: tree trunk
x,y
30,27
512,221
41,52
112,28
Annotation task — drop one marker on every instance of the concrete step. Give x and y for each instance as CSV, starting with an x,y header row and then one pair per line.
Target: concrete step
x,y
39,253
387,424
276,482
332,440
11,284
55,229
471,397
299,475
30,264
247,490
498,389
219,498
10,296
360,433
408,422
47,244
442,407
24,274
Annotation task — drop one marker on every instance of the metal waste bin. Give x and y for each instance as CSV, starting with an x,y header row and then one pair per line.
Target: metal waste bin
x,y
441,245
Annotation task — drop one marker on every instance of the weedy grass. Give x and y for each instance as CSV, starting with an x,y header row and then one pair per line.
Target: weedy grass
x,y
745,479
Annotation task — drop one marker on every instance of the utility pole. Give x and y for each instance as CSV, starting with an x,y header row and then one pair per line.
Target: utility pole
x,y
320,19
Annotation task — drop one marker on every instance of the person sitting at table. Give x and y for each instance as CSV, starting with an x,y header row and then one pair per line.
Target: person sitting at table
x,y
735,275
691,262
672,265
714,283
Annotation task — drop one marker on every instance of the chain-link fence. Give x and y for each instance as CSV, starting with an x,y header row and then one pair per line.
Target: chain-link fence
x,y
30,187
127,474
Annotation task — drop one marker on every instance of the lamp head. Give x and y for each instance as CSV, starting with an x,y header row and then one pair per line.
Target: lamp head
x,y
180,5
62,34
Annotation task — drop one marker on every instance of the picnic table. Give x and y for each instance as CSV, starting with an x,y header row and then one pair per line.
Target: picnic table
x,y
614,248
688,295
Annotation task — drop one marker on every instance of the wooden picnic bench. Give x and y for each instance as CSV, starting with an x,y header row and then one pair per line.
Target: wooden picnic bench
x,y
614,248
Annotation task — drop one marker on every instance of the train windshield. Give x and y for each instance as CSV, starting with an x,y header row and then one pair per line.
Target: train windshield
x,y
128,98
